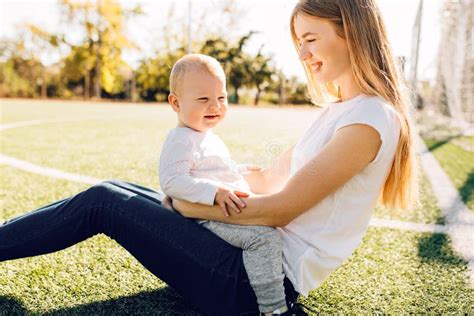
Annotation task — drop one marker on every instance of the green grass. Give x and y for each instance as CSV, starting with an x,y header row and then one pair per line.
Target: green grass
x,y
392,272
397,273
96,275
427,212
458,164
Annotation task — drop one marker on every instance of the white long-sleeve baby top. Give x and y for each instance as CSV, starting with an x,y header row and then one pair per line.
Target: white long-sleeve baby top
x,y
194,164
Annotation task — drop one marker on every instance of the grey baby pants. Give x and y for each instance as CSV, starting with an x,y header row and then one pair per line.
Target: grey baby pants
x,y
262,256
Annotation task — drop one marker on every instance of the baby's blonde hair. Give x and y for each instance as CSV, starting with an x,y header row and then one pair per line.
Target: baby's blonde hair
x,y
193,62
376,73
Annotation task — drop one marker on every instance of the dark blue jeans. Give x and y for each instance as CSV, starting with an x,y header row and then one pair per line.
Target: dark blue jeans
x,y
208,272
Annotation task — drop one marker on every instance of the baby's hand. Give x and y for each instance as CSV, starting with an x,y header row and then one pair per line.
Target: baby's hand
x,y
228,199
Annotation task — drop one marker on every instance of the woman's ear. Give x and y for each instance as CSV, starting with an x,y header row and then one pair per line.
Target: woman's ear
x,y
173,101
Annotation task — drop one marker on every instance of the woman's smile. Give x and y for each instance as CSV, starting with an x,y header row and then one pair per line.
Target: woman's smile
x,y
316,67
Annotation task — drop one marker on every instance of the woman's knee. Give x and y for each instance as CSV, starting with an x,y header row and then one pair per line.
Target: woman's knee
x,y
115,183
101,189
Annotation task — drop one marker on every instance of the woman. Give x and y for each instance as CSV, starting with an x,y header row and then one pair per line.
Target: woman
x,y
320,193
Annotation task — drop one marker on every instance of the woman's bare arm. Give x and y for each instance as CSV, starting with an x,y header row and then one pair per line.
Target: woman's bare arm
x,y
272,179
346,154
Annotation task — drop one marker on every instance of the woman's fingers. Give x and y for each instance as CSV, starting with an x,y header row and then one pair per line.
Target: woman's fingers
x,y
253,168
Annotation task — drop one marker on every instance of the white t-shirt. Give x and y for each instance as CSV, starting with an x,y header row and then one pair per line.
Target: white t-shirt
x,y
194,164
319,240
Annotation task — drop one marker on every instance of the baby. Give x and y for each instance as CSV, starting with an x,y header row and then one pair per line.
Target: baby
x,y
195,166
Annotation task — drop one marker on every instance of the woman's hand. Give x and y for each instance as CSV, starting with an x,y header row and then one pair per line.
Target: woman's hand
x,y
271,179
250,168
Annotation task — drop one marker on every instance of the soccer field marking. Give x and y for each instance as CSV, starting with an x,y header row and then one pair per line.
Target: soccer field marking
x,y
45,171
402,225
459,220
4,127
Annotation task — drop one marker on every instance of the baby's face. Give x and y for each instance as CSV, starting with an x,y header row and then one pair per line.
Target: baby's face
x,y
202,99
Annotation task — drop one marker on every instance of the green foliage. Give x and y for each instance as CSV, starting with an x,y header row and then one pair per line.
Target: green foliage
x,y
12,84
93,66
262,74
296,92
101,50
236,63
20,77
153,74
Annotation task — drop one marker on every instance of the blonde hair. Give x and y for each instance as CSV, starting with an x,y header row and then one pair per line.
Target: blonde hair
x,y
192,62
375,72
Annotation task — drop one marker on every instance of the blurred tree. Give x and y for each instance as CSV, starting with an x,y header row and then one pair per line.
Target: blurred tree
x,y
11,83
152,76
93,64
262,74
296,92
98,59
236,63
21,74
219,19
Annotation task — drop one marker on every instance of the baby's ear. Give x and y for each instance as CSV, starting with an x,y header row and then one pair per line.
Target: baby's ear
x,y
173,101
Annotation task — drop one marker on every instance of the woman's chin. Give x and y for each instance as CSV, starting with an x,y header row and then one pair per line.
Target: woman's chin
x,y
320,80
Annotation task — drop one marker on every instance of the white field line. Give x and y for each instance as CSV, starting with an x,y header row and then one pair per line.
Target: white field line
x,y
459,219
45,171
402,225
4,127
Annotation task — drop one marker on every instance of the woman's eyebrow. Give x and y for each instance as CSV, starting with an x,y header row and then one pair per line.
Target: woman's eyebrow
x,y
307,34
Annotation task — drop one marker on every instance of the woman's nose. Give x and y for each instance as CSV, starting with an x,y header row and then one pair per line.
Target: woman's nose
x,y
304,54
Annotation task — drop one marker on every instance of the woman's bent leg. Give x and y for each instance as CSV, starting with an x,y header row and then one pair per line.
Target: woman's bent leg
x,y
205,270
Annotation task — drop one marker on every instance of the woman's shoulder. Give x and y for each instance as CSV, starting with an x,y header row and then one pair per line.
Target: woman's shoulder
x,y
375,110
375,105
376,113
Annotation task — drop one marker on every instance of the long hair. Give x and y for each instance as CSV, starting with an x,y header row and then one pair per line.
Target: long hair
x,y
376,73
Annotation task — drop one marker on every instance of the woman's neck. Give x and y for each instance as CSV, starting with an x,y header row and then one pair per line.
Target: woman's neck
x,y
348,87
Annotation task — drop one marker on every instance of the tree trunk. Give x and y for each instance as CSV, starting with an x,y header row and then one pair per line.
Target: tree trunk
x,y
236,95
133,93
98,65
97,86
257,97
87,85
281,90
44,92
